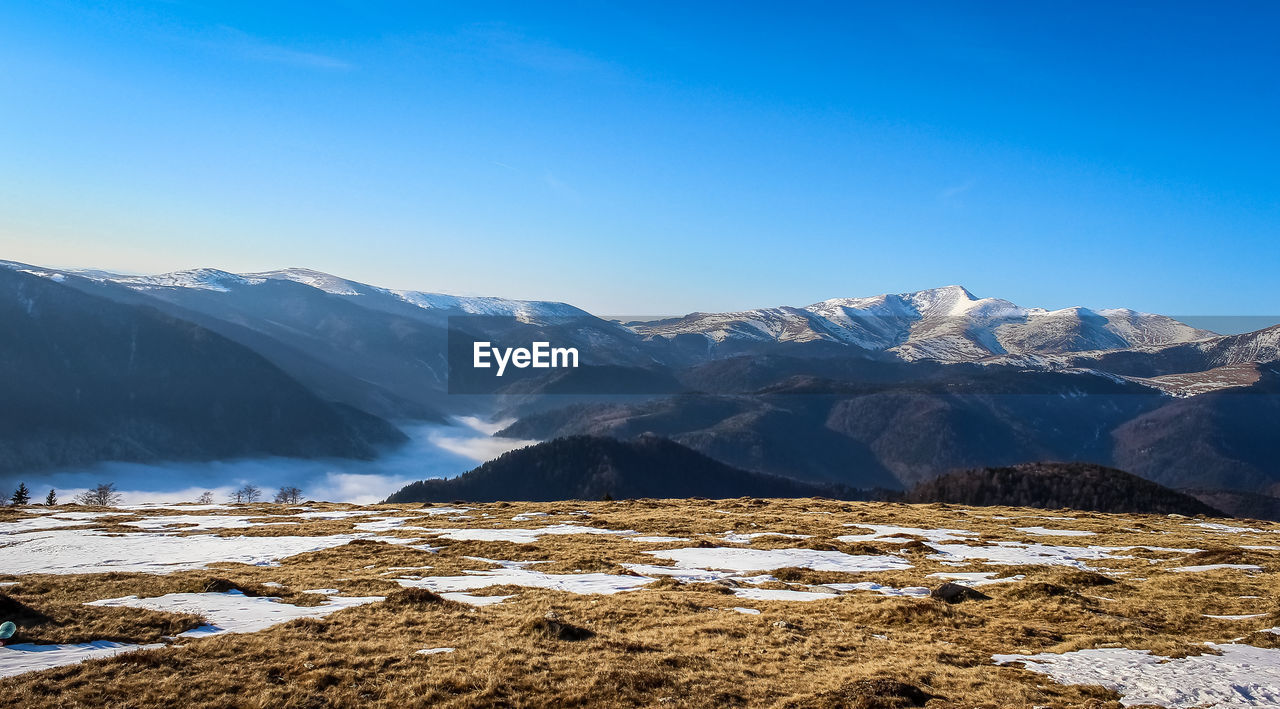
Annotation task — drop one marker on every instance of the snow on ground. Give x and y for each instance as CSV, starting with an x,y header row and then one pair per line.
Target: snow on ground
x,y
1216,567
773,594
234,612
735,538
472,599
1242,676
1225,528
25,657
334,514
695,575
909,591
1047,532
741,560
744,610
34,524
974,578
517,576
186,507
897,535
658,540
1236,617
1016,553
436,511
520,536
187,523
434,651
526,516
386,524
88,552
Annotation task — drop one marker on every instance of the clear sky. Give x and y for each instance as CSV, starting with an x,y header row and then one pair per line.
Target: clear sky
x,y
657,157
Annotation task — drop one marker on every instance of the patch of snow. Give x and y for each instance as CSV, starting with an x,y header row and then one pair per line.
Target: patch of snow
x,y
774,594
187,523
658,540
893,534
745,611
1047,532
434,651
735,538
1017,553
89,552
474,600
974,578
34,524
520,536
1242,676
583,584
1236,617
1215,567
234,612
26,657
1226,528
909,591
386,524
740,560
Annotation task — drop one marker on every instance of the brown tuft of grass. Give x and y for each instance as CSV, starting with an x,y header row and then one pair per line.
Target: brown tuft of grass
x,y
879,693
553,628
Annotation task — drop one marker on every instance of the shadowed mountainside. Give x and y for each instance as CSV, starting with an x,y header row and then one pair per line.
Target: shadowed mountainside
x,y
591,468
85,379
1081,486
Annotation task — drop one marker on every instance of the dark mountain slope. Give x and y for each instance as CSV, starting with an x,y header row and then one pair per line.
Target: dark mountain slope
x,y
776,436
1240,504
86,379
1078,486
1227,439
389,363
589,468
881,426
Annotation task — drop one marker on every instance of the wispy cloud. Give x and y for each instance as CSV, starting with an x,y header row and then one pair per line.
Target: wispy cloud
x,y
951,195
510,45
236,42
561,188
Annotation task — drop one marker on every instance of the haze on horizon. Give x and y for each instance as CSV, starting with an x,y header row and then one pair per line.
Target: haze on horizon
x,y
656,159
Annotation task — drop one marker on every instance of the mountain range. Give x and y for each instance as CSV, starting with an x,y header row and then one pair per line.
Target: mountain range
x,y
885,391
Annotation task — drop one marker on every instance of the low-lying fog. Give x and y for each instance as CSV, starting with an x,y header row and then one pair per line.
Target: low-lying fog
x,y
434,451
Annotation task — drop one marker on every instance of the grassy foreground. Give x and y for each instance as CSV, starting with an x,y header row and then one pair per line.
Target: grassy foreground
x,y
667,644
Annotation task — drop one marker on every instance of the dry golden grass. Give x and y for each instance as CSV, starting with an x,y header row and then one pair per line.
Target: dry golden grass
x,y
670,643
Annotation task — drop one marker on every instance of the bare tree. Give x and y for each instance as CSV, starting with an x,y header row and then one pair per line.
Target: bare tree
x,y
206,498
248,494
104,495
289,496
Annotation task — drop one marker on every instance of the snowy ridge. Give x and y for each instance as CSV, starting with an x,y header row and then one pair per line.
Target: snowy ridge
x,y
210,279
948,324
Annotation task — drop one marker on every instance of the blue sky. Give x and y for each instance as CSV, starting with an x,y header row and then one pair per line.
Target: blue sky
x,y
661,157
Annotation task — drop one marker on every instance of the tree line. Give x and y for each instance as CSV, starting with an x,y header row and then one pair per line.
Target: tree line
x,y
106,495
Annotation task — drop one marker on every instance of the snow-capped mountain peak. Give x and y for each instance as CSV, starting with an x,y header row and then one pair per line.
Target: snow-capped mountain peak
x,y
210,279
319,280
948,323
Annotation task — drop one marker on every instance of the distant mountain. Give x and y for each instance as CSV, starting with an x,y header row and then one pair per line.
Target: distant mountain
x,y
381,350
1223,439
1077,486
885,392
1240,504
591,468
882,426
87,379
947,324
